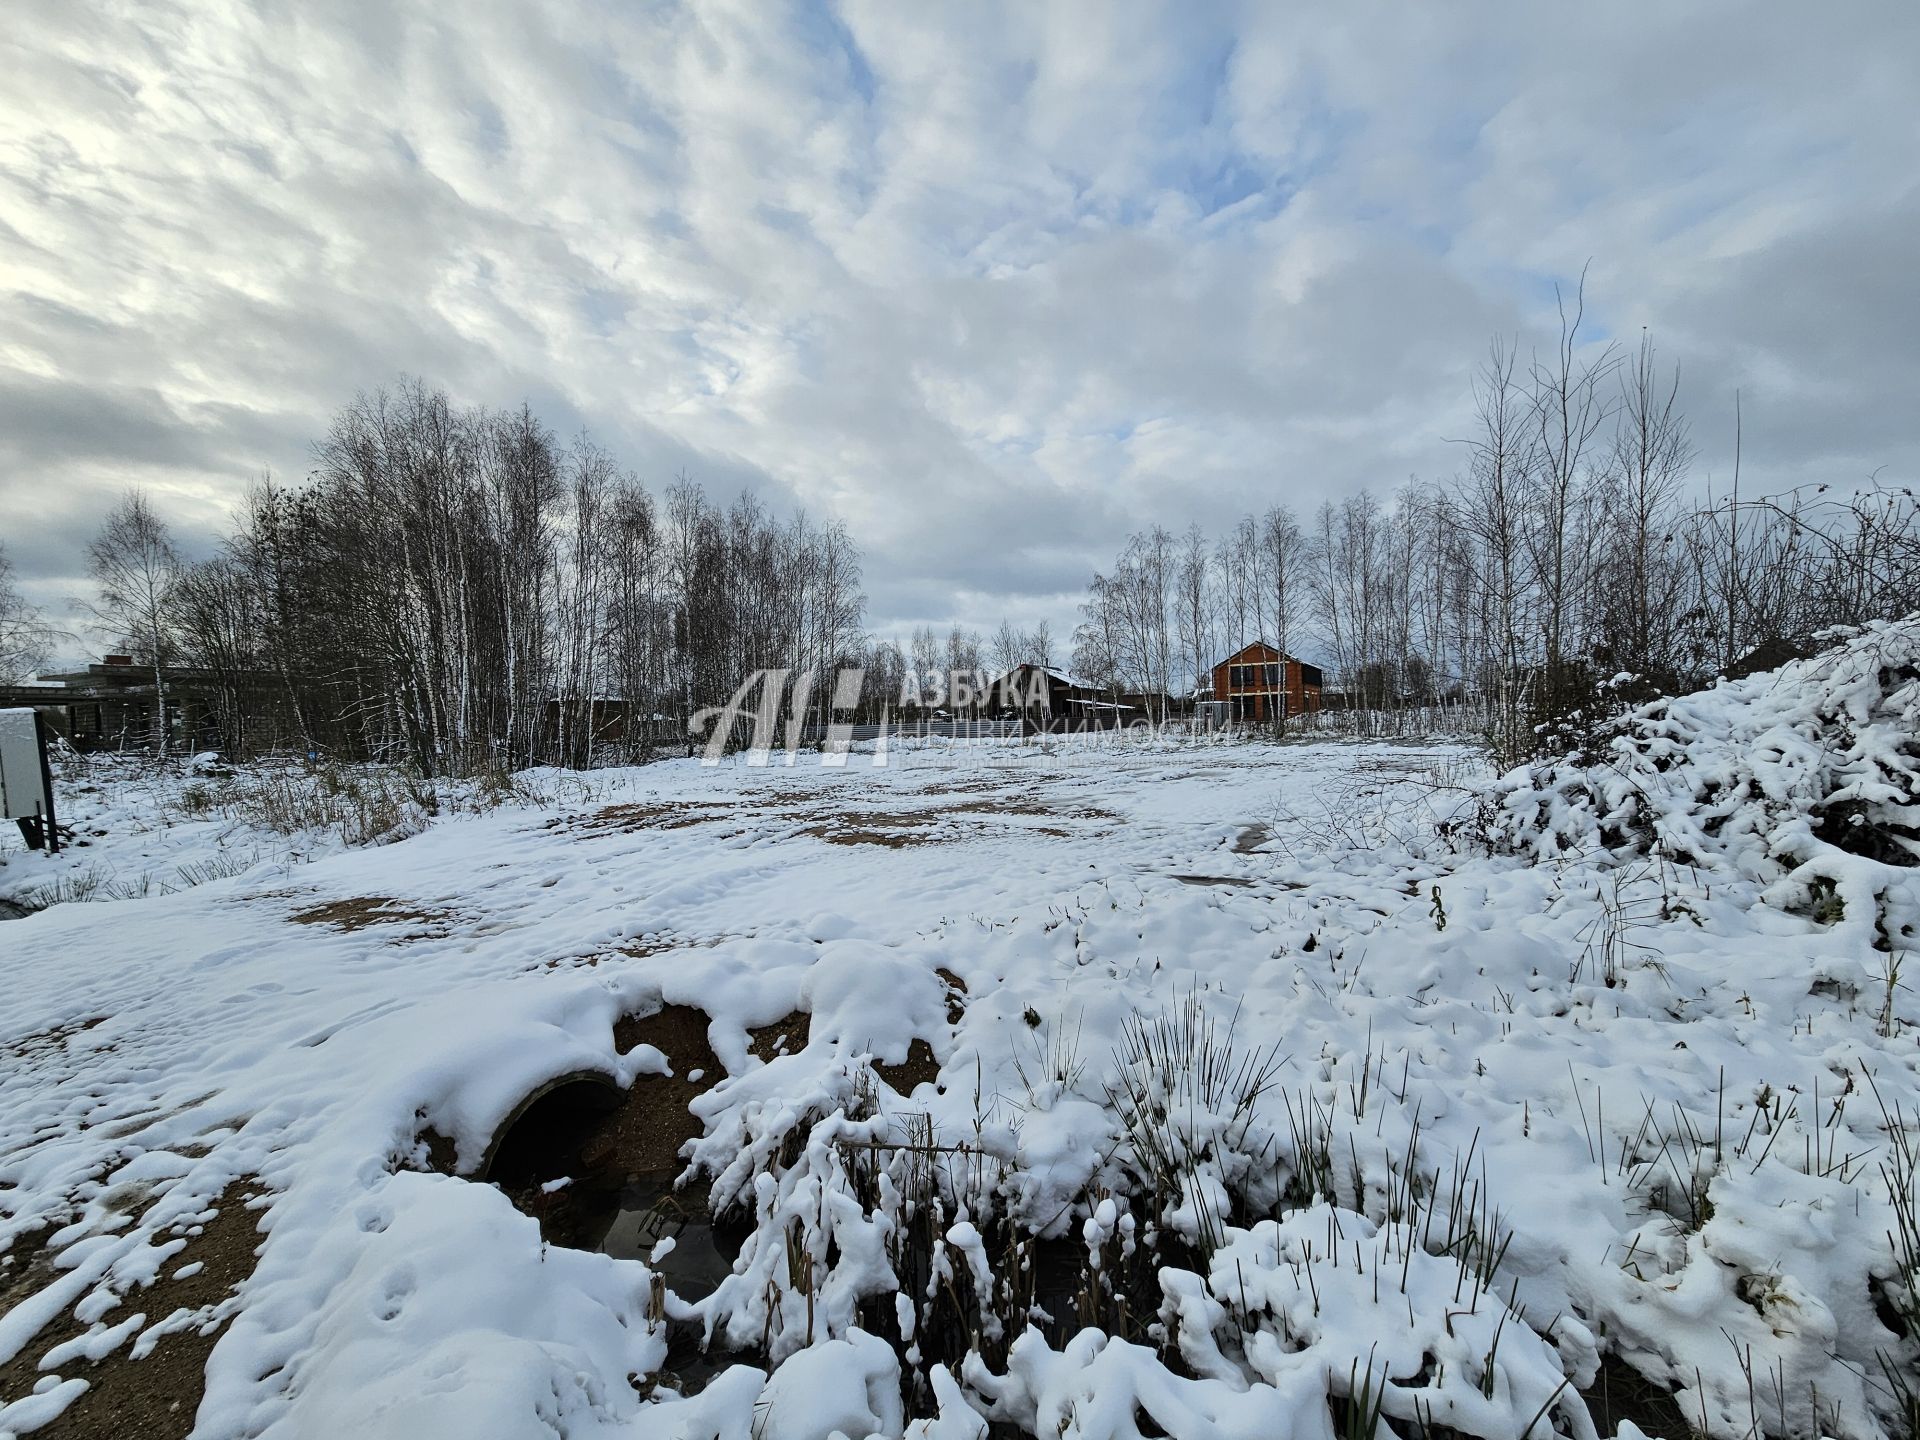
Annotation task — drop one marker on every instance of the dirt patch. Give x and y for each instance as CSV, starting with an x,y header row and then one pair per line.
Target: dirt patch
x,y
1249,840
956,994
640,947
436,1152
895,832
888,839
645,1134
1004,807
1034,808
157,1396
920,1067
365,911
976,787
44,1043
782,1037
790,797
654,815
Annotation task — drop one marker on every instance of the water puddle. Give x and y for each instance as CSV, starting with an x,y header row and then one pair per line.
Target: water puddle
x,y
648,1218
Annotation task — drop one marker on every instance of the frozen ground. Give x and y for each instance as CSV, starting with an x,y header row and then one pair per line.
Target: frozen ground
x,y
1487,1120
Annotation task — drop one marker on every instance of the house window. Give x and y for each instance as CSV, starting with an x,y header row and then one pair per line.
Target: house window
x,y
1273,677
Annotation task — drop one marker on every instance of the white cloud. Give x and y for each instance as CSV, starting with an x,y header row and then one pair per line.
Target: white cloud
x,y
994,283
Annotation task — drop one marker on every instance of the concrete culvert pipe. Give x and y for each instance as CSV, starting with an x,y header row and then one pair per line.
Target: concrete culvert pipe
x,y
540,1137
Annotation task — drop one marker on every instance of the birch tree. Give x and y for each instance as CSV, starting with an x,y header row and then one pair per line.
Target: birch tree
x,y
136,572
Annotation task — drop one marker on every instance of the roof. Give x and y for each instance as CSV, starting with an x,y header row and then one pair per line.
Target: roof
x,y
1050,671
1274,650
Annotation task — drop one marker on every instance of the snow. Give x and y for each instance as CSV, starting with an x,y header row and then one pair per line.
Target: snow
x,y
1647,1080
140,830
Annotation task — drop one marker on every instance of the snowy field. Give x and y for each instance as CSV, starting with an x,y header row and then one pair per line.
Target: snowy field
x,y
1203,1091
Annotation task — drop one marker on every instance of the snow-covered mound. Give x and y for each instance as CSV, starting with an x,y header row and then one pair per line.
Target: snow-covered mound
x,y
1805,779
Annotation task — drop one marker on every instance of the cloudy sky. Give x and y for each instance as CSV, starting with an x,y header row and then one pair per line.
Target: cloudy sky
x,y
995,284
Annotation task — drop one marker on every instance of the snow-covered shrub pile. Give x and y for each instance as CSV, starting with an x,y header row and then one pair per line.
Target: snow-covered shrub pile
x,y
1217,1272
1805,779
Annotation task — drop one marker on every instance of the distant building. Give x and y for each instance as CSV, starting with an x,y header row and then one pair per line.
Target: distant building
x,y
110,706
1046,699
1258,685
105,706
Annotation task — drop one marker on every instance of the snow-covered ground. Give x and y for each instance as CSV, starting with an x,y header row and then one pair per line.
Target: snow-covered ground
x,y
1383,1105
141,827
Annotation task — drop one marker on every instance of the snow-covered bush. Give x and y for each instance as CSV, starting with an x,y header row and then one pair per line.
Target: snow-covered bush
x,y
1188,1100
1805,779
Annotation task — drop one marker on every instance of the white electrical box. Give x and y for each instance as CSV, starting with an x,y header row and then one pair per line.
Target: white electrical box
x,y
24,792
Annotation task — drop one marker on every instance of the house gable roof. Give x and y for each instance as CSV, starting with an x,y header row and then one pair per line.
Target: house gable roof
x,y
1053,673
1255,647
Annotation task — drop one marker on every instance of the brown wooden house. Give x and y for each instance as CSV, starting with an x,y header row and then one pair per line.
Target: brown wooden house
x,y
1258,684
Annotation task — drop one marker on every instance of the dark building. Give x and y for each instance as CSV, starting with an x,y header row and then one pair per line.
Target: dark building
x,y
110,706
1045,699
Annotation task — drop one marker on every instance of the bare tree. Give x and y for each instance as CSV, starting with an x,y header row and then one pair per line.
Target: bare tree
x,y
136,571
1237,562
1007,647
1492,507
1193,603
923,648
1639,583
886,674
1570,406
218,626
963,658
1279,552
1040,646
26,640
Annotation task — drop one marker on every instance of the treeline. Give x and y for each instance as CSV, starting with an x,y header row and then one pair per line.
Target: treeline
x,y
1571,549
457,589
